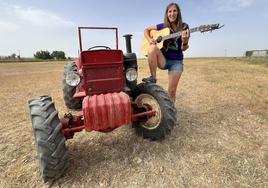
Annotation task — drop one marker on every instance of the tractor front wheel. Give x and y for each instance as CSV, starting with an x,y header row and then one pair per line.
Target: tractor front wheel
x,y
49,138
159,125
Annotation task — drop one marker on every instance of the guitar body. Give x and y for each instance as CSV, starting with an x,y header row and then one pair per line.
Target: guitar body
x,y
154,34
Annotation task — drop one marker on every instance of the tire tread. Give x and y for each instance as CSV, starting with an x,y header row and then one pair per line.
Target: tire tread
x,y
168,109
50,141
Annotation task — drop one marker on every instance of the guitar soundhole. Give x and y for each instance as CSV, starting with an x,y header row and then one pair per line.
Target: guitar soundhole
x,y
159,39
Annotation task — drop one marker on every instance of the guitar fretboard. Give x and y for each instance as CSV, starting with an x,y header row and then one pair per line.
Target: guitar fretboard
x,y
178,34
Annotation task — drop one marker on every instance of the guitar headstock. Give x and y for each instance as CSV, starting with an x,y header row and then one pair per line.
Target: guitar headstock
x,y
211,27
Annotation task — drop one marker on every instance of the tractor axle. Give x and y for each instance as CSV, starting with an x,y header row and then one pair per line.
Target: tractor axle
x,y
75,123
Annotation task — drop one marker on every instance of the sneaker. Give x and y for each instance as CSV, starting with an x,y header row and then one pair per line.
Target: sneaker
x,y
149,79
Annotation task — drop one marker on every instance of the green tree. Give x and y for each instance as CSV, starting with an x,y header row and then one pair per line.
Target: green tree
x,y
13,56
58,55
42,55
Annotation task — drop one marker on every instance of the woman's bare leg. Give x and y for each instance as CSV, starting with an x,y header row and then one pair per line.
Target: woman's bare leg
x,y
173,80
155,59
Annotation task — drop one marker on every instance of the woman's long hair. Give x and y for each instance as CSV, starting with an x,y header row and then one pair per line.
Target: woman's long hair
x,y
178,22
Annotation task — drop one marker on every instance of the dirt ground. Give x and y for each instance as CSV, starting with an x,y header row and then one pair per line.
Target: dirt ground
x,y
220,139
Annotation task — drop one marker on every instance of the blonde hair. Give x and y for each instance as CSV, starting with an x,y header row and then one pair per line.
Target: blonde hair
x,y
178,22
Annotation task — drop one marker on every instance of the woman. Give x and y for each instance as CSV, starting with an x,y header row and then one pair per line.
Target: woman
x,y
171,55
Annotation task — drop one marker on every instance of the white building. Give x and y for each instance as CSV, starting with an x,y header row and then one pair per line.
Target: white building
x,y
257,53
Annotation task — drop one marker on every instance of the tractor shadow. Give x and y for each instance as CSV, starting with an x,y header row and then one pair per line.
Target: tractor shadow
x,y
98,157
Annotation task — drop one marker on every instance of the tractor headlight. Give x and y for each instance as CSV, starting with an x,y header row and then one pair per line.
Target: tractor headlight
x,y
72,78
131,74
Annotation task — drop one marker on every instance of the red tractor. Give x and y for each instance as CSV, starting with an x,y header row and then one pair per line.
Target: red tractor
x,y
102,86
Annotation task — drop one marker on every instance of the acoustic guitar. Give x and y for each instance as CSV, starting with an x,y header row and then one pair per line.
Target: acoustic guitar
x,y
164,34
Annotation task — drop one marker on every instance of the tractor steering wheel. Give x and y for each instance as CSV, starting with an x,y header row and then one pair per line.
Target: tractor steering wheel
x,y
105,47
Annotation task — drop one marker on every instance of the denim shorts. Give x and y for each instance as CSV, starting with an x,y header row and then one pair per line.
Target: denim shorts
x,y
173,65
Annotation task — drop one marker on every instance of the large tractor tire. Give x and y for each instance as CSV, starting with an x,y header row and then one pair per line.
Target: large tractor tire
x,y
49,138
69,91
158,126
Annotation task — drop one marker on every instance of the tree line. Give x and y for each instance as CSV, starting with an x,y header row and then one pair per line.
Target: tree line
x,y
59,55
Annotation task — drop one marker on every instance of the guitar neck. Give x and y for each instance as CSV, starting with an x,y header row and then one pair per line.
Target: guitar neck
x,y
178,34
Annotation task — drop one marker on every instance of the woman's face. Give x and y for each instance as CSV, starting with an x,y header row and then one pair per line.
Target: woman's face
x,y
172,14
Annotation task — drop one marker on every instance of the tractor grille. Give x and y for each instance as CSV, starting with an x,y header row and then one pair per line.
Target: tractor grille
x,y
103,71
104,79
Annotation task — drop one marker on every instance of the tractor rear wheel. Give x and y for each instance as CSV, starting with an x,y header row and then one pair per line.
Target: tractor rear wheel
x,y
69,91
158,126
49,139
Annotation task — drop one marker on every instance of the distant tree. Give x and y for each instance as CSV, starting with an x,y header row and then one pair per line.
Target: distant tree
x,y
42,55
70,58
13,56
58,55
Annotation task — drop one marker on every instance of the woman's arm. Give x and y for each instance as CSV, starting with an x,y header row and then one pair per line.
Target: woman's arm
x,y
185,40
184,47
147,34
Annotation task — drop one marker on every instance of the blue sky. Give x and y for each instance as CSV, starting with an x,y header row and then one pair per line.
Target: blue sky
x,y
28,26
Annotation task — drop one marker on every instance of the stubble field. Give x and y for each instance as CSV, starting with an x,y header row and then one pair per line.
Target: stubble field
x,y
220,139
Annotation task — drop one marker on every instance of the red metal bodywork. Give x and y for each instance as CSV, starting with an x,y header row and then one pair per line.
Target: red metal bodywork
x,y
72,124
106,112
102,71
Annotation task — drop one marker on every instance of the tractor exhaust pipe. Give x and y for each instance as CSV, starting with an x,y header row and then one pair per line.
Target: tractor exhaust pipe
x,y
128,42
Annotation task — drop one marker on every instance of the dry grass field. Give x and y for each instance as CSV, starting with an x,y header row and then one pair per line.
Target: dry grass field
x,y
221,137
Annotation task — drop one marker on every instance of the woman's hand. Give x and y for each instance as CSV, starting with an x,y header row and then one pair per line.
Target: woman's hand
x,y
185,37
151,41
147,31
